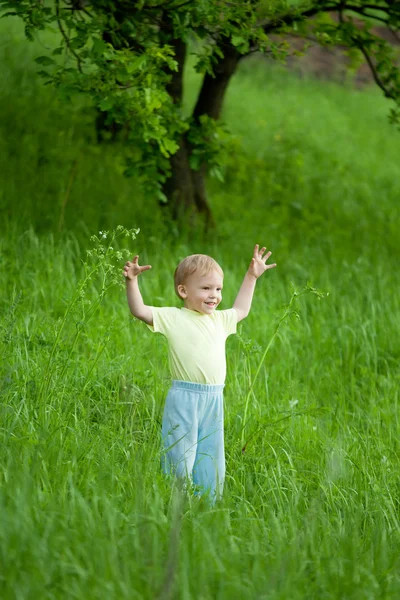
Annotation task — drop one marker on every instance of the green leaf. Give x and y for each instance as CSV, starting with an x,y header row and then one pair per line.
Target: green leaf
x,y
105,104
168,147
237,40
217,173
194,162
44,60
77,43
98,46
122,76
161,197
136,64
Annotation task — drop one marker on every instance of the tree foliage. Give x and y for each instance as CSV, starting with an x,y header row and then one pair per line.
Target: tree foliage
x,y
129,57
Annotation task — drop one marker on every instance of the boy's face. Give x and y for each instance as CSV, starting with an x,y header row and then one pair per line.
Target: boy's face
x,y
202,293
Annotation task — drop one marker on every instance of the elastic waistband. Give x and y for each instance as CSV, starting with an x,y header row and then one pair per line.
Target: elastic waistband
x,y
200,388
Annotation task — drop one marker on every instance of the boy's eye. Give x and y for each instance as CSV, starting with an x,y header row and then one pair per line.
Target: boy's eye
x,y
206,288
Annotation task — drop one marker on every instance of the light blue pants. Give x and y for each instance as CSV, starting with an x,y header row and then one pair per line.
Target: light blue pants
x,y
193,435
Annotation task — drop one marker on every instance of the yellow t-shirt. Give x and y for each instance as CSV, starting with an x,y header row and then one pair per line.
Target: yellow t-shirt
x,y
196,342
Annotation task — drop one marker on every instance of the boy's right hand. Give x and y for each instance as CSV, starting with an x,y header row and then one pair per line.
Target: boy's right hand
x,y
133,269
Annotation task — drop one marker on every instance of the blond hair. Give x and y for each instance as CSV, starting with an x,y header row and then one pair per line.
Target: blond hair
x,y
195,262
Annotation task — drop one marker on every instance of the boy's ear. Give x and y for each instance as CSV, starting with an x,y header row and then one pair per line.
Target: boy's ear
x,y
182,291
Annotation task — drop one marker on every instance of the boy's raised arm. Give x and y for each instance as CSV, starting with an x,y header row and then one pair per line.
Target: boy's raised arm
x,y
137,307
256,268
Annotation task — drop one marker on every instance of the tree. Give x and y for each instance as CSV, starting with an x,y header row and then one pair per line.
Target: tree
x,y
129,57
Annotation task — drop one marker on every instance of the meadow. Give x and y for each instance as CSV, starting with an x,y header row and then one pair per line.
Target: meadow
x,y
311,508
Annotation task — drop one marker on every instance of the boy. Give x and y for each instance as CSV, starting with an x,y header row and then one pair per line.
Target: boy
x,y
192,427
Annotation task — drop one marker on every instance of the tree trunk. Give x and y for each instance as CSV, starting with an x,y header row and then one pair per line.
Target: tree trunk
x,y
200,195
178,188
213,90
186,187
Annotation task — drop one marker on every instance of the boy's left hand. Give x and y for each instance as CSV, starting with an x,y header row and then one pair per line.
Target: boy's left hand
x,y
258,263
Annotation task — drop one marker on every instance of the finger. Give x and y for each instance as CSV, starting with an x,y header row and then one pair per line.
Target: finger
x,y
266,257
145,268
271,266
263,249
255,251
135,259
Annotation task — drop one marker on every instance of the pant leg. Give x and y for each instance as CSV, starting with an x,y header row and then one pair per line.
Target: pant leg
x,y
209,465
179,433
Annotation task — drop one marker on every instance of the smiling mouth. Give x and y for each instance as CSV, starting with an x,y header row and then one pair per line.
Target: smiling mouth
x,y
211,303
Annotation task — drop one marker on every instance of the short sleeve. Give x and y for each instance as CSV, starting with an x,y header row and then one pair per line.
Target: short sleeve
x,y
228,320
164,318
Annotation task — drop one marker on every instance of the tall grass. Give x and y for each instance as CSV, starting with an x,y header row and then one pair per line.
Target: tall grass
x,y
311,505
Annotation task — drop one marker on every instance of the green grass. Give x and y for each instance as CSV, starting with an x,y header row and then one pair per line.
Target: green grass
x,y
311,507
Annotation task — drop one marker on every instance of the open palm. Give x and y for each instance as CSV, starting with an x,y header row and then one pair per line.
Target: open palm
x,y
258,263
133,269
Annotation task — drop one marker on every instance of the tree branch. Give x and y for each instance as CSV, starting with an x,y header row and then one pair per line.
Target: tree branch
x,y
373,6
128,9
360,11
78,6
66,38
377,80
294,17
358,44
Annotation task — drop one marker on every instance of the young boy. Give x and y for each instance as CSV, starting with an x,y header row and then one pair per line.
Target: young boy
x,y
192,427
